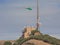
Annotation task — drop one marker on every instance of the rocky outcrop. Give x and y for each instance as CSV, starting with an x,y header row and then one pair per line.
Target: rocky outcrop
x,y
35,42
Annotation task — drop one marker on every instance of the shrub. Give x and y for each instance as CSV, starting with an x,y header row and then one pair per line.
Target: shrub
x,y
14,44
34,31
7,43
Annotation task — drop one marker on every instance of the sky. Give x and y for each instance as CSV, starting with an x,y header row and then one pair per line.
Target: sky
x,y
14,17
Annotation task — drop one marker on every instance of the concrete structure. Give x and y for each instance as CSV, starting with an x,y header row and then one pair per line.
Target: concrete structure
x,y
27,31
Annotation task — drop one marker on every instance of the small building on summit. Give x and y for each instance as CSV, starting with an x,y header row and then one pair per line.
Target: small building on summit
x,y
27,31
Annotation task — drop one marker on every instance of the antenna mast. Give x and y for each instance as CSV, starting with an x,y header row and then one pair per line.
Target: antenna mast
x,y
37,25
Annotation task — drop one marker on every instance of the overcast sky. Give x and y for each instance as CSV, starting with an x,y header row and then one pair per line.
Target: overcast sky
x,y
14,17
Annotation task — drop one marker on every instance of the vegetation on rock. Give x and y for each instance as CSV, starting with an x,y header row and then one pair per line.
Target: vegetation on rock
x,y
7,43
34,31
45,38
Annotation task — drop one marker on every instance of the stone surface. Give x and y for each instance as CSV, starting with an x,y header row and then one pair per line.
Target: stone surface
x,y
36,42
